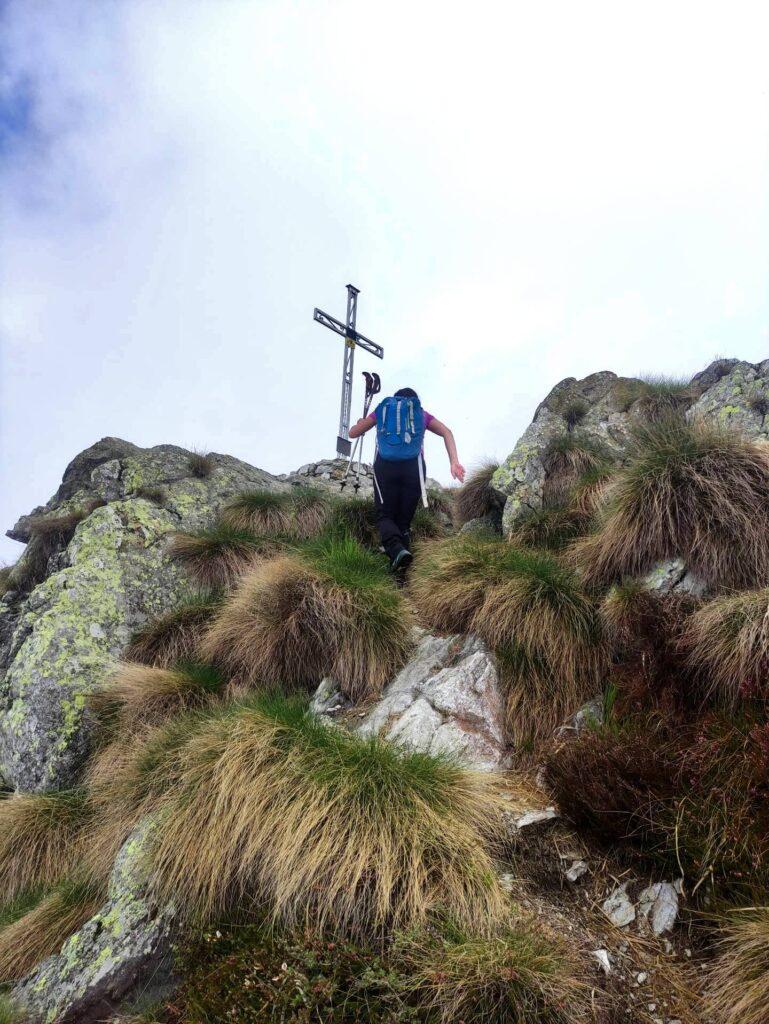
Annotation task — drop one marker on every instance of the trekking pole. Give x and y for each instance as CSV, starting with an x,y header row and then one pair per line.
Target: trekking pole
x,y
373,386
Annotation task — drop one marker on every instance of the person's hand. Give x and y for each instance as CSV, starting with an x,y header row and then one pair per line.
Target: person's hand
x,y
458,471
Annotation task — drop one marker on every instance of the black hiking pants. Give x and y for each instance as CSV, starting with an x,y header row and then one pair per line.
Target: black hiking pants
x,y
397,491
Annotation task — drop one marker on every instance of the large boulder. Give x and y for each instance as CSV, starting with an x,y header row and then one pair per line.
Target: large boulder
x,y
738,397
123,949
597,405
59,641
604,408
445,700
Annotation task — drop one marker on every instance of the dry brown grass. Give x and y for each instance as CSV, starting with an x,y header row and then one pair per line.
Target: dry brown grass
x,y
530,608
739,977
727,645
41,839
201,464
276,810
48,535
477,497
140,696
300,513
566,459
523,973
688,490
216,559
173,637
43,930
330,610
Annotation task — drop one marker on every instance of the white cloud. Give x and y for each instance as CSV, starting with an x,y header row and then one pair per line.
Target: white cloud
x,y
522,191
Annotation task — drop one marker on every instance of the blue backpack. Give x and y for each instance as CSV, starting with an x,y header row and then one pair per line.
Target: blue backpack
x,y
400,428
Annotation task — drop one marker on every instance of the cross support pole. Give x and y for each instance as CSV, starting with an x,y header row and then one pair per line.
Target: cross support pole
x,y
352,339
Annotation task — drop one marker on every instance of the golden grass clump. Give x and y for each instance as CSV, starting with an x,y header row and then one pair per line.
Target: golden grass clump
x,y
727,645
41,838
739,977
274,809
330,608
172,637
566,459
216,558
44,929
138,697
299,513
688,490
477,497
530,608
518,975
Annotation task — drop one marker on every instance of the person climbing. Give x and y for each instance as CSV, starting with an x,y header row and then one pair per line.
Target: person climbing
x,y
399,467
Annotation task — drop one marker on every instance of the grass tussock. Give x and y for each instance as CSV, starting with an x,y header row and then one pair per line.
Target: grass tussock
x,y
552,528
300,513
6,579
44,929
739,977
530,608
658,397
519,975
274,808
201,464
48,535
477,497
328,609
217,557
157,495
566,459
688,490
10,1011
142,696
40,839
727,646
757,399
173,637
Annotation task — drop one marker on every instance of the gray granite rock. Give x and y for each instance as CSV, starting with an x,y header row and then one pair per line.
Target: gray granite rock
x,y
446,699
124,947
738,398
61,640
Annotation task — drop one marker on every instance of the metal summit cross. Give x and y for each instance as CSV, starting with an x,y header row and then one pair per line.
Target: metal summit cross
x,y
351,339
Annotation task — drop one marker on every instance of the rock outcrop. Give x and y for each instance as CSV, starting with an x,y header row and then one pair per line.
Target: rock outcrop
x,y
60,640
603,407
128,939
445,700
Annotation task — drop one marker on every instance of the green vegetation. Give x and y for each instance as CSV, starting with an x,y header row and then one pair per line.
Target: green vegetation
x,y
201,464
271,807
528,606
727,641
217,557
10,1013
44,928
40,837
659,396
174,636
329,608
688,490
157,495
477,498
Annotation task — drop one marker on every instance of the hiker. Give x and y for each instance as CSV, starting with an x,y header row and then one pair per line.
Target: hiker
x,y
399,467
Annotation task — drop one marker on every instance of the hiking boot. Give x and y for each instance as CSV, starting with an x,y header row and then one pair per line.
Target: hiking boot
x,y
402,559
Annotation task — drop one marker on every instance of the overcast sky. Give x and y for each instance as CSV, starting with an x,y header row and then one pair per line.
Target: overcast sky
x,y
522,192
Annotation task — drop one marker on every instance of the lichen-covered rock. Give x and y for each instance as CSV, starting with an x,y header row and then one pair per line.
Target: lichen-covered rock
x,y
125,946
597,405
672,577
446,699
72,629
330,474
738,398
63,638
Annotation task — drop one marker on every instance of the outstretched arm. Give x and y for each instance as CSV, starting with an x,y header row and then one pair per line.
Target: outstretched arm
x,y
457,469
362,426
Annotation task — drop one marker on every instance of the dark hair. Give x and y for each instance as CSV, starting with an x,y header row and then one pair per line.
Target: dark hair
x,y
406,393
